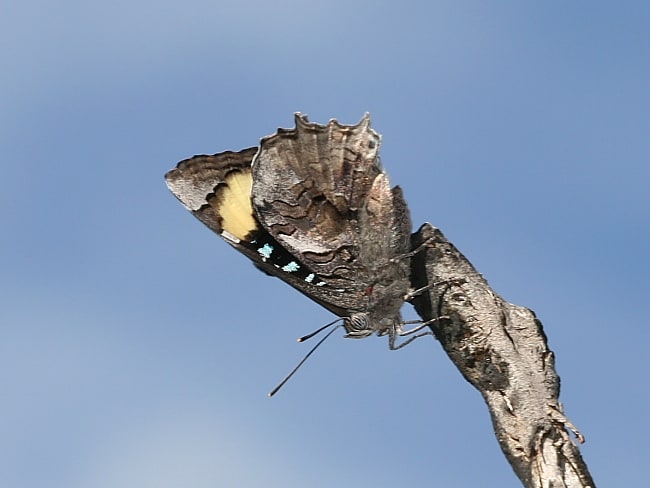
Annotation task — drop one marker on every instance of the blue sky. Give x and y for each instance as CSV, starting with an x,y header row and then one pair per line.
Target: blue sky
x,y
137,348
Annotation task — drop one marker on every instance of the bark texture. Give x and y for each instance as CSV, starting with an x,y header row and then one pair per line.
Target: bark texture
x,y
501,349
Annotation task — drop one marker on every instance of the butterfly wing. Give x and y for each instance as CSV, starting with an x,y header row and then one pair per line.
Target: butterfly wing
x,y
320,191
217,190
313,207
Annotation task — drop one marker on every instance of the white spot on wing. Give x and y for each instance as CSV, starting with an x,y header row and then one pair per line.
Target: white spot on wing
x,y
291,267
265,251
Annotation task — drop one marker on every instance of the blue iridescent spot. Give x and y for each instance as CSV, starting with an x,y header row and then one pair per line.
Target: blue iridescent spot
x,y
265,251
291,267
310,277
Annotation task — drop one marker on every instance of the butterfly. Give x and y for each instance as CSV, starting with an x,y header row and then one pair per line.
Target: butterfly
x,y
312,206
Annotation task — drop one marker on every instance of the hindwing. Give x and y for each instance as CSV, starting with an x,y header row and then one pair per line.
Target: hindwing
x,y
321,192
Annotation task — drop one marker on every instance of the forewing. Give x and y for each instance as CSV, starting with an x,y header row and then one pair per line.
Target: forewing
x,y
217,190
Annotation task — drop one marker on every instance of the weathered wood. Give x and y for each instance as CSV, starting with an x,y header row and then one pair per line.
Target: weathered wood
x,y
501,349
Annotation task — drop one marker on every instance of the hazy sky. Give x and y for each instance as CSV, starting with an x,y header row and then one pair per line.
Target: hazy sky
x,y
136,348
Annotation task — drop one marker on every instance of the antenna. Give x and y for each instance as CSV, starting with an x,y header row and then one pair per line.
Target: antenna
x,y
302,339
309,336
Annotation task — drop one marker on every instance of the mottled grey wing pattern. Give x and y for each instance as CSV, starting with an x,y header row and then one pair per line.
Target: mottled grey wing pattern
x,y
321,192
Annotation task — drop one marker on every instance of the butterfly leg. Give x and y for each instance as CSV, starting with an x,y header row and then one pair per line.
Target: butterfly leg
x,y
418,249
414,293
392,338
398,332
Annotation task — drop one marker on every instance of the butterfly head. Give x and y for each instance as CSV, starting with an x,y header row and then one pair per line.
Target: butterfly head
x,y
361,324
